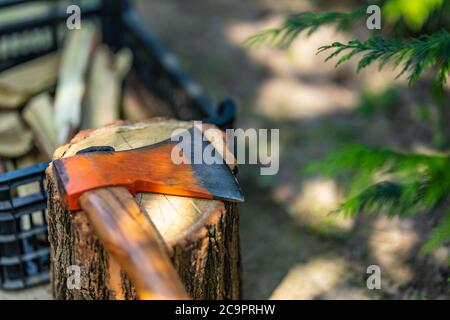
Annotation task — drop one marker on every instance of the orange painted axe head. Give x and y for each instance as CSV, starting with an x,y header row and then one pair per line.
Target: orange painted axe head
x,y
146,169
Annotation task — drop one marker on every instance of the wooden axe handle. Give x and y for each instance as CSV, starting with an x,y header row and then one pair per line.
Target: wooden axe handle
x,y
133,241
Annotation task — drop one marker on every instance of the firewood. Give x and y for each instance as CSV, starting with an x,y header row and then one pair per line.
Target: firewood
x,y
38,114
15,139
71,80
104,87
19,83
201,235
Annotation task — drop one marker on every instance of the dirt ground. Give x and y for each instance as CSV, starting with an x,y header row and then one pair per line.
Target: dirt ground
x,y
291,247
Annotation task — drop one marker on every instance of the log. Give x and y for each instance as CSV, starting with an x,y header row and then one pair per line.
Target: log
x,y
19,83
104,87
201,235
71,80
38,114
15,139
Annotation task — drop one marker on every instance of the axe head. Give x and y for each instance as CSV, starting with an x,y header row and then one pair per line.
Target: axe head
x,y
146,169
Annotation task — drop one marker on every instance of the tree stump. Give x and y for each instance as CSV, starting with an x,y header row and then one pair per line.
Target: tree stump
x,y
202,235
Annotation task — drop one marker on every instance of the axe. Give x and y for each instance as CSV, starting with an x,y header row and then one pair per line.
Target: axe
x,y
102,182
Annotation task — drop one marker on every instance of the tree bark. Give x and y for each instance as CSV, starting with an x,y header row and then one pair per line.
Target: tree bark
x,y
202,235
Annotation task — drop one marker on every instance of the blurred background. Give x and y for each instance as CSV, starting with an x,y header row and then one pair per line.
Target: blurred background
x,y
292,248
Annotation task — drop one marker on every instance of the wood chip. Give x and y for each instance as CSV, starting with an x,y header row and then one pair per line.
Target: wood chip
x,y
38,114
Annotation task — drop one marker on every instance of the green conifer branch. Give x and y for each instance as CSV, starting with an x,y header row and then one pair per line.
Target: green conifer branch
x,y
307,22
439,235
410,182
415,56
407,183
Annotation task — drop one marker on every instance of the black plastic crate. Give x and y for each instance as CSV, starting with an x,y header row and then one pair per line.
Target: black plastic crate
x,y
24,249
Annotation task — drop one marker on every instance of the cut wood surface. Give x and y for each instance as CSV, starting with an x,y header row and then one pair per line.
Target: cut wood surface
x,y
19,83
38,114
15,139
129,236
71,80
202,235
104,87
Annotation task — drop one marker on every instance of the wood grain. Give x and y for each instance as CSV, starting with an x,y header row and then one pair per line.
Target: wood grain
x,y
71,83
38,114
15,139
19,83
133,241
104,87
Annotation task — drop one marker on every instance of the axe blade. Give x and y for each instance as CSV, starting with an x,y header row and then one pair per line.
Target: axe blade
x,y
145,169
217,178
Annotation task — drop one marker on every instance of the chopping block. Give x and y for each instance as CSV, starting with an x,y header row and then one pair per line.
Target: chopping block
x,y
201,235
